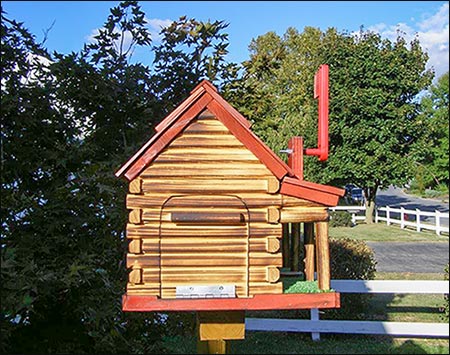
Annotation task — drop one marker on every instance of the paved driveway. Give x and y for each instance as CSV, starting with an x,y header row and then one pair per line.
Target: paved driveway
x,y
410,257
395,197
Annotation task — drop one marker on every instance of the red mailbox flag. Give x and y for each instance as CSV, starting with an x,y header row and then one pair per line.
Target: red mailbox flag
x,y
321,93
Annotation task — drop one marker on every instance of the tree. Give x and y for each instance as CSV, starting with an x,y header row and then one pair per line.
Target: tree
x,y
373,112
275,90
38,155
190,50
63,212
433,148
68,122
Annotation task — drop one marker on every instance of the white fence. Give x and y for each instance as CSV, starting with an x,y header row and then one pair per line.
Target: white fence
x,y
399,329
355,212
403,217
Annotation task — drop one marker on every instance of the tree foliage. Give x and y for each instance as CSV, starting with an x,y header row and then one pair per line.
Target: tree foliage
x,y
373,111
68,122
433,148
190,51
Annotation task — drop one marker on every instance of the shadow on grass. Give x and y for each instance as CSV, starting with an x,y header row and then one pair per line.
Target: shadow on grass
x,y
301,343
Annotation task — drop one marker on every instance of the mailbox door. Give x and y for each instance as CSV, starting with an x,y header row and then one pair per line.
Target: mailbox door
x,y
204,241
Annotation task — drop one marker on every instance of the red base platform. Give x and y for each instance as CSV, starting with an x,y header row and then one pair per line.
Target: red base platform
x,y
136,303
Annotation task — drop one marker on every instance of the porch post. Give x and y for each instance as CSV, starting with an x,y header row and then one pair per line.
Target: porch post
x,y
323,255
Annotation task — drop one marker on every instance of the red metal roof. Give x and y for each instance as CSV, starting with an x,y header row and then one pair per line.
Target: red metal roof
x,y
205,96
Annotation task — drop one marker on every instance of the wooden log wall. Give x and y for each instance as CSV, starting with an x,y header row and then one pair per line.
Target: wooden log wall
x,y
208,212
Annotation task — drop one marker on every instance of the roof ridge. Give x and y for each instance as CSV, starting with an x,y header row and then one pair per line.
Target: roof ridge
x,y
203,96
205,84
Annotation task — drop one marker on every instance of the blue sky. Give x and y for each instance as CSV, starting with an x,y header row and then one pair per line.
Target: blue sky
x,y
75,22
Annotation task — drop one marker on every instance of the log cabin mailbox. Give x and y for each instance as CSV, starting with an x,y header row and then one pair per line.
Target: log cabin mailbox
x,y
209,204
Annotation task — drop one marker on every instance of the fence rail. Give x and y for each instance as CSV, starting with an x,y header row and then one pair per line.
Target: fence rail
x,y
400,329
403,217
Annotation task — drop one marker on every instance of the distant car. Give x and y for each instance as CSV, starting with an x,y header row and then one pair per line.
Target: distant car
x,y
354,195
348,188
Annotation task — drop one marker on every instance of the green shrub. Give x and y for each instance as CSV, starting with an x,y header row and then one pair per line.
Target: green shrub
x,y
340,219
292,285
351,259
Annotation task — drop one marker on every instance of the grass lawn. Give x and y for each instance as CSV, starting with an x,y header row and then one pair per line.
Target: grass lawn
x,y
298,343
378,232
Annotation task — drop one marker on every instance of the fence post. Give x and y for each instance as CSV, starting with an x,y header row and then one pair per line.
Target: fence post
x,y
376,214
315,316
402,217
388,221
438,222
417,219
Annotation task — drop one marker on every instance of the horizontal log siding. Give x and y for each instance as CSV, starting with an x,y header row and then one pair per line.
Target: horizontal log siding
x,y
203,162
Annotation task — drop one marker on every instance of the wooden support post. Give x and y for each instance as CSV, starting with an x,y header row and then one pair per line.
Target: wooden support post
x,y
309,251
213,347
295,247
285,246
323,256
215,329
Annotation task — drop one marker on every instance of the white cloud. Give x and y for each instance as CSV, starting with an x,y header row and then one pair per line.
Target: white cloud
x,y
432,32
91,37
155,25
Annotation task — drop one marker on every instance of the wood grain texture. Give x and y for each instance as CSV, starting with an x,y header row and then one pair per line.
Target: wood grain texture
x,y
295,239
155,200
152,229
191,139
221,326
225,244
292,187
193,186
272,244
194,154
208,211
166,122
272,274
135,276
290,201
309,251
191,250
163,138
135,246
323,256
208,217
251,141
207,169
285,246
135,186
273,215
295,159
213,347
162,126
303,214
135,216
255,214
